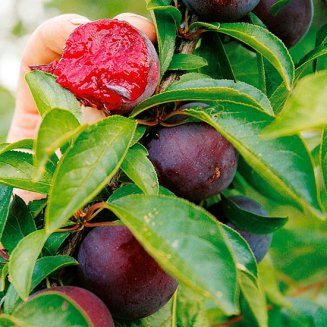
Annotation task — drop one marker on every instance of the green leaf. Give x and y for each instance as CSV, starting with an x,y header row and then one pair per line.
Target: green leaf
x,y
243,254
22,145
208,89
323,165
165,317
3,276
87,167
254,304
283,162
304,109
54,242
178,234
11,299
281,94
22,261
16,170
139,133
36,206
183,61
43,268
140,170
9,321
166,19
51,309
264,186
190,309
5,196
308,58
48,94
207,50
225,65
57,128
244,63
19,224
277,6
321,39
134,189
262,41
249,221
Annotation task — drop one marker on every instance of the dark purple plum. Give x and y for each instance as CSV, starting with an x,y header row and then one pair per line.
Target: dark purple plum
x,y
193,160
92,306
221,10
259,243
115,266
291,22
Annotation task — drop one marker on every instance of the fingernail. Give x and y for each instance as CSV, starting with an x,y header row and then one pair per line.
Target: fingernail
x,y
79,21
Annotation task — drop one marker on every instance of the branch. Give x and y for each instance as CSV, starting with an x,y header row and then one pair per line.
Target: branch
x,y
186,46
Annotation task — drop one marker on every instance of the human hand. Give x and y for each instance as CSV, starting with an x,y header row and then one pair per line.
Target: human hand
x,y
46,45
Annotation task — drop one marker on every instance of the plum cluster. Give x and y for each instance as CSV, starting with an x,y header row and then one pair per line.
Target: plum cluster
x,y
192,159
290,23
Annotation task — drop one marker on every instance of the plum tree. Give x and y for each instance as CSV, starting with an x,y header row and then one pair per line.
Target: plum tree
x,y
193,160
259,243
93,307
107,64
221,10
114,266
290,23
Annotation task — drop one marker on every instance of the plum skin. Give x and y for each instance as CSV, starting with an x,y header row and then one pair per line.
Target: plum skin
x,y
93,307
291,23
193,160
259,243
221,10
115,267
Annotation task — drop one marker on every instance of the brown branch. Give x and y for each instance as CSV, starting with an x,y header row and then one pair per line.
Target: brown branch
x,y
317,285
186,46
71,243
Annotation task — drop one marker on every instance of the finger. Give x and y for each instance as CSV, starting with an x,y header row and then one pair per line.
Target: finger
x,y
143,24
45,45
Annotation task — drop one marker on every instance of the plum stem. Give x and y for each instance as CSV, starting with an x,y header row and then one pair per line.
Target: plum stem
x,y
147,122
100,224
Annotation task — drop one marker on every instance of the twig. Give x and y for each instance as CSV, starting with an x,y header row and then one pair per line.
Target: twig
x,y
185,47
317,285
71,244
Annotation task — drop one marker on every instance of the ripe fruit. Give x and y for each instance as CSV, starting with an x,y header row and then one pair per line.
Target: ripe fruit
x,y
259,243
290,23
115,267
107,64
92,306
193,160
221,10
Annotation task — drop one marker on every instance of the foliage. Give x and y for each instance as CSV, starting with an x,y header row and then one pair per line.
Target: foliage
x,y
104,167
